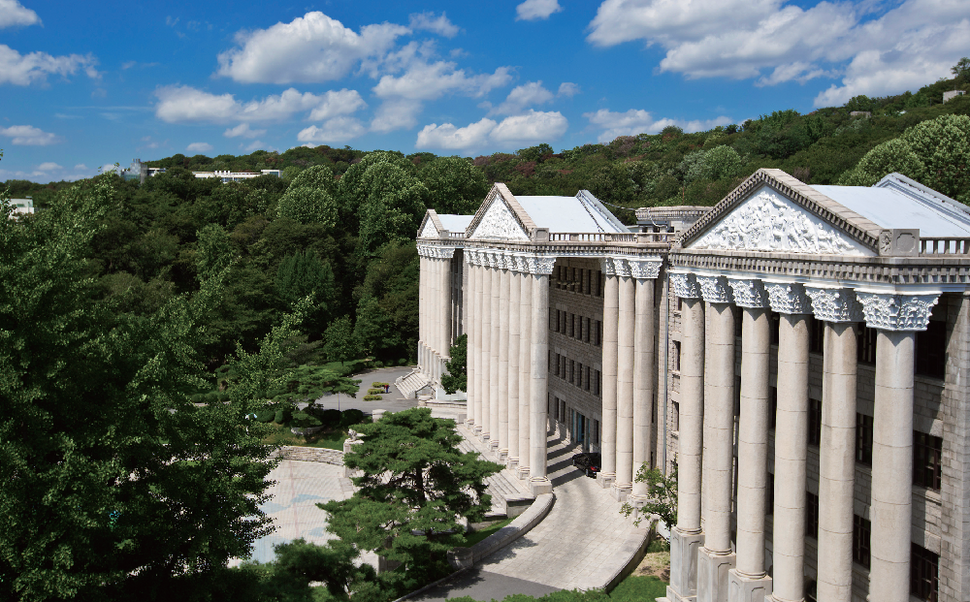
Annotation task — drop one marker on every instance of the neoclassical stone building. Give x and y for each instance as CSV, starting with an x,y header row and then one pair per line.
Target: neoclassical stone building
x,y
799,354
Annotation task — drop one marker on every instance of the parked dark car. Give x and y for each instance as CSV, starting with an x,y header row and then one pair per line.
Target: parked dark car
x,y
588,463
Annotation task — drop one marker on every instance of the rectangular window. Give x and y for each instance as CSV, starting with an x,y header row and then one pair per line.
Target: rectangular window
x,y
676,357
775,320
579,327
867,345
595,433
927,454
811,515
814,421
572,372
675,418
556,371
816,338
589,373
924,574
680,304
579,377
770,495
931,350
860,540
586,279
587,329
863,439
596,382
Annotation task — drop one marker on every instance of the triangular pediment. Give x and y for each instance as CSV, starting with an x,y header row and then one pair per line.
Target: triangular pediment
x,y
772,212
500,218
428,229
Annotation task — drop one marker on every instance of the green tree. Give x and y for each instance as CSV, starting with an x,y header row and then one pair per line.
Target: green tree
x,y
310,198
114,484
457,377
304,274
214,251
454,185
392,209
416,488
661,494
962,68
339,343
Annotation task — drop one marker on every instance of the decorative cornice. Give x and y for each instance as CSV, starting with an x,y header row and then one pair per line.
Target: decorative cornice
x,y
834,304
897,312
685,286
788,298
749,292
715,289
436,252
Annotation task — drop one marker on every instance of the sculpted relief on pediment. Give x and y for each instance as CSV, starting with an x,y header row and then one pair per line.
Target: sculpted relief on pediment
x,y
429,231
500,224
770,222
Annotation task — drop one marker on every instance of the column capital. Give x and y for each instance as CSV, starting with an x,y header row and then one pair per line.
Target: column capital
x,y
835,304
685,286
610,267
645,269
715,289
788,298
749,292
897,312
540,265
436,252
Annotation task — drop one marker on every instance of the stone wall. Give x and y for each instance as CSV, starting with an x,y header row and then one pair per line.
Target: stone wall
x,y
311,454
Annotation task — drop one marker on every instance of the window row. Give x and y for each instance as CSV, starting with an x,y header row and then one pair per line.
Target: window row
x,y
576,326
578,280
575,373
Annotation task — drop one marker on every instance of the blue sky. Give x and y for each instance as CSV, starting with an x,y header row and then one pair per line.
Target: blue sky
x,y
87,86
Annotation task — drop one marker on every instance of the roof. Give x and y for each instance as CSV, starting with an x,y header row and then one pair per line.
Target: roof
x,y
581,213
453,222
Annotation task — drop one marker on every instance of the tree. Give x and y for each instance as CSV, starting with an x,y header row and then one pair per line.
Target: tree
x,y
392,209
310,198
661,493
113,482
304,274
454,185
457,377
339,343
962,68
415,489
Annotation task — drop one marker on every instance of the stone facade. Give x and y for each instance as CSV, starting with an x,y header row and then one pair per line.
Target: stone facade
x,y
801,362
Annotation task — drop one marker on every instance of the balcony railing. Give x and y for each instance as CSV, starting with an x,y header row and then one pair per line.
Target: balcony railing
x,y
944,246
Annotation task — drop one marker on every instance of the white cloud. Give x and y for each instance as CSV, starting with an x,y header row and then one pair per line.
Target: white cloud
x,y
28,135
568,89
23,70
179,104
531,127
338,129
253,146
312,48
199,147
526,95
48,166
80,167
13,13
428,81
876,53
396,114
532,10
244,131
638,121
439,25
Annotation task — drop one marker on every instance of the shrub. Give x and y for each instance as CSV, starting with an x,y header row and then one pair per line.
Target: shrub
x,y
330,418
283,416
372,398
351,417
266,415
375,391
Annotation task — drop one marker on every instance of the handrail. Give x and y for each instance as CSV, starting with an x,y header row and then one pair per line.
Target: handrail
x,y
944,245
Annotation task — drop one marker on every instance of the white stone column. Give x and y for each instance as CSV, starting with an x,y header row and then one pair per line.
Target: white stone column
x,y
748,581
525,370
839,309
791,441
503,362
897,317
482,428
477,319
422,308
716,558
515,301
623,484
447,311
686,539
540,373
433,318
494,366
470,316
611,310
643,371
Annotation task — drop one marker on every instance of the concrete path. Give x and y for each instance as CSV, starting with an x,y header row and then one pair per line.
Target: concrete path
x,y
393,401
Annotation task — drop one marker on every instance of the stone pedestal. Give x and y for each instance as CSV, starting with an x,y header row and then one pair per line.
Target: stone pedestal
x,y
713,572
540,485
620,492
742,588
683,564
605,479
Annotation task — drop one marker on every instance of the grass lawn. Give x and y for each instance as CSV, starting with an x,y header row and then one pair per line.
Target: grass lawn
x,y
476,536
281,435
638,589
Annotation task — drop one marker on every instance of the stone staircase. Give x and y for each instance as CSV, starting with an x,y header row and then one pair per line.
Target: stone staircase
x,y
411,383
510,496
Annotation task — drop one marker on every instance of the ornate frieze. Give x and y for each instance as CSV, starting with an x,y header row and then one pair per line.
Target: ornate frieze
x,y
499,223
834,304
435,252
897,312
645,268
715,289
769,222
749,292
788,298
685,286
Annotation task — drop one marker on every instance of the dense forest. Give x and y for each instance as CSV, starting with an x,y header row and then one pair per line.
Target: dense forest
x,y
340,223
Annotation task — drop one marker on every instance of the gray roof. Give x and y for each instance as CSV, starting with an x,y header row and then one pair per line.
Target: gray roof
x,y
892,208
581,213
455,223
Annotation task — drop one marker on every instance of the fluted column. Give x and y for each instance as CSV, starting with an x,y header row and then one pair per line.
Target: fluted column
x,y
422,309
748,580
446,308
477,319
482,427
643,373
525,372
715,559
791,441
611,310
494,366
471,316
433,317
503,362
897,317
540,374
686,539
624,389
839,309
515,300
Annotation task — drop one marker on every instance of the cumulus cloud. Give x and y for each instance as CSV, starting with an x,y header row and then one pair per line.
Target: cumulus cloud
x,y
243,130
568,89
28,135
180,104
23,70
336,130
396,114
527,95
312,48
773,42
532,127
428,81
199,147
533,10
48,166
638,121
439,25
13,13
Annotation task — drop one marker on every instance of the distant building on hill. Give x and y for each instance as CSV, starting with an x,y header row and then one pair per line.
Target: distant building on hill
x,y
141,172
22,206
